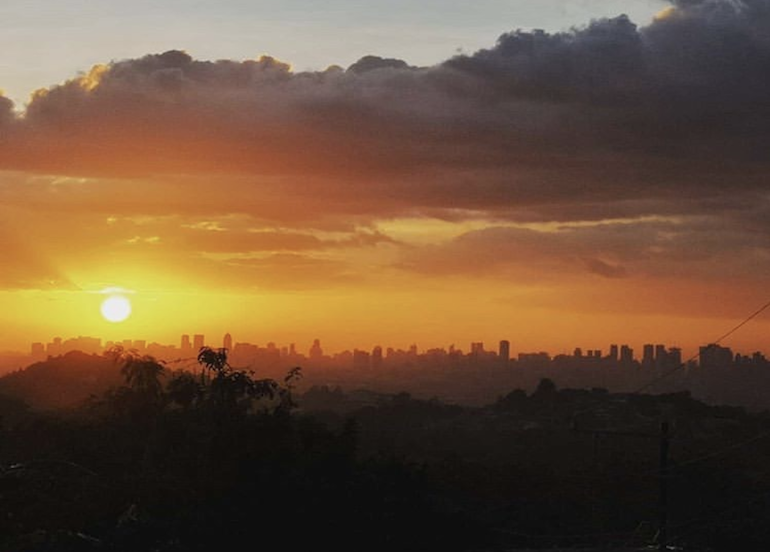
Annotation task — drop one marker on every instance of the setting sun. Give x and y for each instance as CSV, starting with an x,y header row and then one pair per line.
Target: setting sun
x,y
116,308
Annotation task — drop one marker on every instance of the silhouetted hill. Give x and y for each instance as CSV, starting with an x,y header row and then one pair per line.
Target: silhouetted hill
x,y
61,381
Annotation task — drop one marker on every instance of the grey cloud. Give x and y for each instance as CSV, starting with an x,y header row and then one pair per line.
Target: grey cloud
x,y
373,63
604,121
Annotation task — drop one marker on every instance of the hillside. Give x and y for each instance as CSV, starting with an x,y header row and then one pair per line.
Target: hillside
x,y
62,381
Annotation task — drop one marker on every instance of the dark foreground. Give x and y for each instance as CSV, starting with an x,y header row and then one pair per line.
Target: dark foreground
x,y
237,465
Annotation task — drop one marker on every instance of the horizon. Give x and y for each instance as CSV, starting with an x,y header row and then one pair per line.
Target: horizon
x,y
302,348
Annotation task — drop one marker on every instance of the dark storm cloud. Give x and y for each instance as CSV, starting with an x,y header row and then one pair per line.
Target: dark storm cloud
x,y
675,101
691,83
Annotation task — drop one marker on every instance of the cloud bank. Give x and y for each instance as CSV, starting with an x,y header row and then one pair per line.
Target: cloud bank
x,y
606,122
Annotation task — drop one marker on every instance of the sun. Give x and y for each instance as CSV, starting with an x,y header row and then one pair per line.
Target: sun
x,y
116,308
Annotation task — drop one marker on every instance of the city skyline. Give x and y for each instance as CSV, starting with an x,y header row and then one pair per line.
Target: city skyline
x,y
646,354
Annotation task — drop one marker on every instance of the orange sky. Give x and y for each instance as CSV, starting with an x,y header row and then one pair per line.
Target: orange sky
x,y
557,190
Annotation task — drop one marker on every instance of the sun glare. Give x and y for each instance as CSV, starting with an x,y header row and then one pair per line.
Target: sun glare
x,y
116,308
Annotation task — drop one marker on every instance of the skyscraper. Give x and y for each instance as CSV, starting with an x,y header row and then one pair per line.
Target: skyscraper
x,y
377,357
626,355
713,356
315,351
648,355
198,342
504,352
227,342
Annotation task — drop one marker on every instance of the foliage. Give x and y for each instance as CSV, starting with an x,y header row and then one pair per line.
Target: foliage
x,y
238,390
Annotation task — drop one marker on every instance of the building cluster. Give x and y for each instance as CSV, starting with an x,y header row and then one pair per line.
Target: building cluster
x,y
657,357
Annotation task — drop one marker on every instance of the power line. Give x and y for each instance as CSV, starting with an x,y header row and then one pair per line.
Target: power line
x,y
696,355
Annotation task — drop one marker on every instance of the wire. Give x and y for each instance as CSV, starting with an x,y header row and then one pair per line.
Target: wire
x,y
696,355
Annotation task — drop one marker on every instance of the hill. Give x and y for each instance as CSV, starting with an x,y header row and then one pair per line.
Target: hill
x,y
62,381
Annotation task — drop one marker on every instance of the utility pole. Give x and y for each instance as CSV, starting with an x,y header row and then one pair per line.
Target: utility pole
x,y
663,493
664,440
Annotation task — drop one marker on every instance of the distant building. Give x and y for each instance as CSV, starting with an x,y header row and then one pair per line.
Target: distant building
x,y
715,356
185,344
626,355
504,351
614,353
315,351
37,350
198,342
377,357
361,359
227,342
648,355
534,360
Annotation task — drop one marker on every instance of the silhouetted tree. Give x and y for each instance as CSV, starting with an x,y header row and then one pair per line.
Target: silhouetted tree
x,y
142,373
232,389
546,389
184,390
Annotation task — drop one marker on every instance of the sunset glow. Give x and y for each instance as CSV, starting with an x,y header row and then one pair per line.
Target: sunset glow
x,y
543,194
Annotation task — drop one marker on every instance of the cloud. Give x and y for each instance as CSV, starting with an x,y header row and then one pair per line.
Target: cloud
x,y
597,266
664,96
603,122
645,250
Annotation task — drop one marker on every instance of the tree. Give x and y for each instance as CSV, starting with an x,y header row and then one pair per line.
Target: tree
x,y
184,390
232,389
143,392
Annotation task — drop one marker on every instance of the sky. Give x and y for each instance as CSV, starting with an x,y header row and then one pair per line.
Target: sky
x,y
558,174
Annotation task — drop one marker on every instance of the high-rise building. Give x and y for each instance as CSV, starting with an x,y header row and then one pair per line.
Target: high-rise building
x,y
315,351
477,348
614,353
648,355
198,342
360,359
38,350
626,355
227,342
185,344
715,356
377,357
504,351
